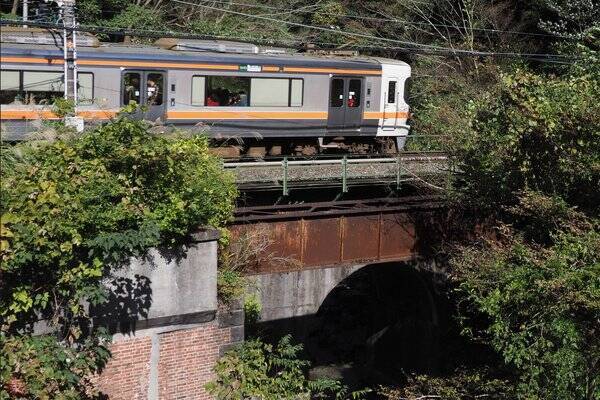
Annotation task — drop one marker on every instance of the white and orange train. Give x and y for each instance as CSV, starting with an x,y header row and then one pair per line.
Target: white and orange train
x,y
294,101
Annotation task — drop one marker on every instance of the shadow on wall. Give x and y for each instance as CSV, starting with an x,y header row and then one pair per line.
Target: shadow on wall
x,y
128,300
377,325
129,290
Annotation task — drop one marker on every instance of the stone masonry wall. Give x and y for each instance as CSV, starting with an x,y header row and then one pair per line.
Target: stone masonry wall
x,y
169,352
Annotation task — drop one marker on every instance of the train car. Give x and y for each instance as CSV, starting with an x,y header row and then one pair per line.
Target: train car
x,y
272,100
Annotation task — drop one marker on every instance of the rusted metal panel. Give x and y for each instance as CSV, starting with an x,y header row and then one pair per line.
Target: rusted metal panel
x,y
360,238
334,239
286,244
397,236
322,241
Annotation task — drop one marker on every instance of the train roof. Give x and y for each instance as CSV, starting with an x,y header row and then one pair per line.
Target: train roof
x,y
155,53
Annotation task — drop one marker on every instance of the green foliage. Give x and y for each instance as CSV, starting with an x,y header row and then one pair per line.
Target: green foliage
x,y
263,371
40,367
538,133
138,17
542,308
571,17
461,385
252,308
63,107
231,285
530,160
75,208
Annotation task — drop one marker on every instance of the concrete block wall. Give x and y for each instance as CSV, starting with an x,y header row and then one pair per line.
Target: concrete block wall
x,y
167,349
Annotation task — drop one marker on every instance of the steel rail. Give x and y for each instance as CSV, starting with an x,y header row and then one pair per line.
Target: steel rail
x,y
330,162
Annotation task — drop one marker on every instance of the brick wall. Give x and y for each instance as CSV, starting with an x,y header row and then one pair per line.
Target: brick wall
x,y
126,374
186,361
171,362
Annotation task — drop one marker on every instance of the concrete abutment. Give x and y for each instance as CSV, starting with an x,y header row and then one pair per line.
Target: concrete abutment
x,y
168,330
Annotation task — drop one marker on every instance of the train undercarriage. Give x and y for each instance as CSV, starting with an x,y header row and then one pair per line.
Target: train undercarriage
x,y
260,148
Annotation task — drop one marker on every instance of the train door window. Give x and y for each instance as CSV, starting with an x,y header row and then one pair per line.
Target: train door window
x,y
336,97
354,93
10,86
42,87
296,95
198,89
131,88
227,91
154,89
391,95
85,88
407,88
269,92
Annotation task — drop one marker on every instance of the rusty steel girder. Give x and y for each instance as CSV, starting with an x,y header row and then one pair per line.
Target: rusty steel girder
x,y
304,237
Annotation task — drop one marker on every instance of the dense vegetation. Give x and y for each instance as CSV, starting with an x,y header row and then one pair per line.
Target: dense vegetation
x,y
73,210
263,371
523,132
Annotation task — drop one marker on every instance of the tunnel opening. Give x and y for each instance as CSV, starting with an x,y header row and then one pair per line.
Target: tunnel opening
x,y
379,324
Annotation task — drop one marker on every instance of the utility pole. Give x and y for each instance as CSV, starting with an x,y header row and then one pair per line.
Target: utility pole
x,y
70,49
25,12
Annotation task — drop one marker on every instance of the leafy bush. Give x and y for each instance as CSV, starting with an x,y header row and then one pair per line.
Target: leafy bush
x,y
74,209
538,133
460,385
252,308
262,371
531,290
542,308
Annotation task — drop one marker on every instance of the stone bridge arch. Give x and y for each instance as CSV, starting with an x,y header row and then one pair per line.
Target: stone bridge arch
x,y
373,321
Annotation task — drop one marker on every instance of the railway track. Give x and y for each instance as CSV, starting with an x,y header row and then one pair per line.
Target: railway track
x,y
285,173
373,157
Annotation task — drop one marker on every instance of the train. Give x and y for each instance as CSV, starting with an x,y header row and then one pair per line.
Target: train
x,y
249,99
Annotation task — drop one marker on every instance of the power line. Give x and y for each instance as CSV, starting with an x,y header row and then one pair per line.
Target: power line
x,y
378,19
451,51
412,47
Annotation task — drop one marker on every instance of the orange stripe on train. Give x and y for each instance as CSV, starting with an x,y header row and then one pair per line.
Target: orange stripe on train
x,y
386,115
47,114
204,115
182,65
197,115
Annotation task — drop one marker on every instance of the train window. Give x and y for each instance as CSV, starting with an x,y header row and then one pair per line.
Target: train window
x,y
39,87
296,92
42,87
227,91
336,97
407,89
354,93
267,92
154,89
198,90
131,88
10,86
391,95
85,87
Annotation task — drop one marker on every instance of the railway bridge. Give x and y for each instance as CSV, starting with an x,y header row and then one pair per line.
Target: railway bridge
x,y
344,258
340,260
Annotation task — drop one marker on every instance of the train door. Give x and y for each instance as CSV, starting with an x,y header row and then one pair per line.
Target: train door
x,y
390,103
345,103
146,88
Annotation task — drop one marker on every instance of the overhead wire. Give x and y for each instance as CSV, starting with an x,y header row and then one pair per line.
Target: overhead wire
x,y
410,44
407,47
380,19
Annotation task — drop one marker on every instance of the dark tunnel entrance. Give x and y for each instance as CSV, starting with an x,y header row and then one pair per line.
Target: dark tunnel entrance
x,y
377,325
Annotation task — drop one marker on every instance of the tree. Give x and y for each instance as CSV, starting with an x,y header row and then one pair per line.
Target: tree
x,y
530,163
72,211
